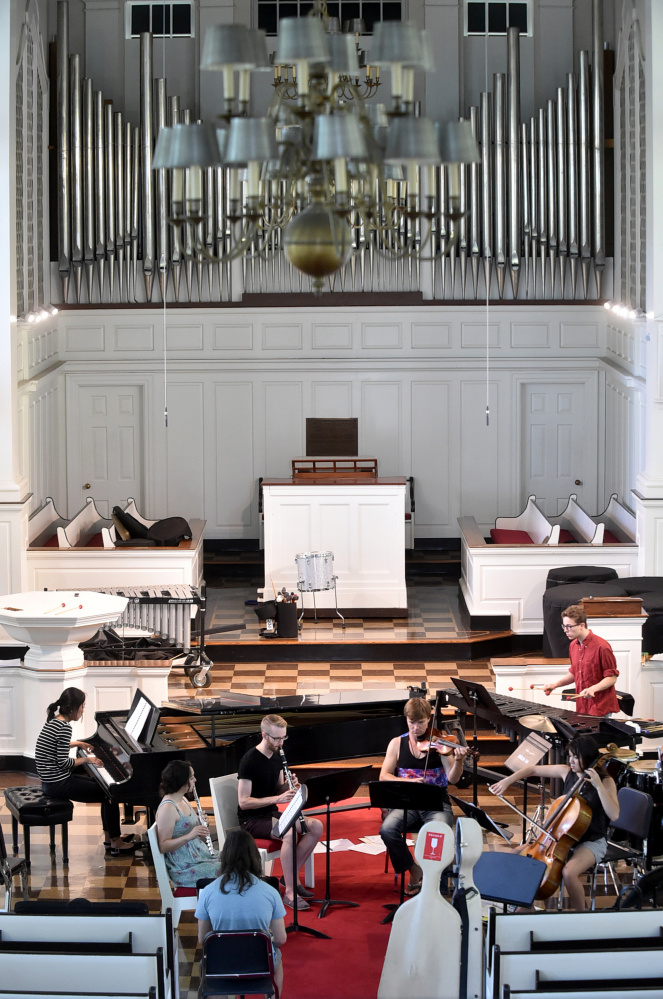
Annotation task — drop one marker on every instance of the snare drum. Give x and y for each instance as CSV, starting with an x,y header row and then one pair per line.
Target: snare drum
x,y
315,571
642,776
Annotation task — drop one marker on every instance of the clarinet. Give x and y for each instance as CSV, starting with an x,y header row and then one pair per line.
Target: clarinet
x,y
202,818
291,784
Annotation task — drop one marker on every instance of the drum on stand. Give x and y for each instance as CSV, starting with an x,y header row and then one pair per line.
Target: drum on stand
x,y
641,775
315,572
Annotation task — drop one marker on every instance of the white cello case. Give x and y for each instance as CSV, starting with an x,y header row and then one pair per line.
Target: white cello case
x,y
423,954
469,847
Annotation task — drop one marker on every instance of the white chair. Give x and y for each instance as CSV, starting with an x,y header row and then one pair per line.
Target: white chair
x,y
181,898
224,792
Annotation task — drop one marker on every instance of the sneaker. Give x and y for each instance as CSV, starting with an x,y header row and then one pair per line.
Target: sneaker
x,y
301,890
302,904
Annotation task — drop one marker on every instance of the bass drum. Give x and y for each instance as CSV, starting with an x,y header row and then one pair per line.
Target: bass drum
x,y
642,777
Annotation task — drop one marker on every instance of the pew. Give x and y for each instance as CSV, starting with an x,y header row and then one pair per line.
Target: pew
x,y
104,938
83,529
129,973
530,527
576,525
619,523
109,534
43,525
577,953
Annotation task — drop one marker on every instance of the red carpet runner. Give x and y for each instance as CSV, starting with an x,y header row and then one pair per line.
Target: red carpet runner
x,y
350,964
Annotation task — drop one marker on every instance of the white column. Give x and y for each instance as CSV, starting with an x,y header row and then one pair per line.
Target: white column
x,y
649,484
13,488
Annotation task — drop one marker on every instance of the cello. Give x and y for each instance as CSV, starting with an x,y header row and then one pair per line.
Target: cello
x,y
568,818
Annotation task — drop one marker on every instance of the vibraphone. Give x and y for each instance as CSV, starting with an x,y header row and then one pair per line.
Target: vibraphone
x,y
163,610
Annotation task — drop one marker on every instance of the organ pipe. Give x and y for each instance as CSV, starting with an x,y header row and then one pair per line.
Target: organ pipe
x,y
534,201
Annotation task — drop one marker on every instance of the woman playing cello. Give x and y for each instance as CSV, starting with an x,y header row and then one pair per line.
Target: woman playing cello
x,y
601,796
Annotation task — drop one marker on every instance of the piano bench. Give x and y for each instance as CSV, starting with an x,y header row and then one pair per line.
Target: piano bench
x,y
31,807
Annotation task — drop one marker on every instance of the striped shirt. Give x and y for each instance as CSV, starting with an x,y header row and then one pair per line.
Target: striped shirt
x,y
52,751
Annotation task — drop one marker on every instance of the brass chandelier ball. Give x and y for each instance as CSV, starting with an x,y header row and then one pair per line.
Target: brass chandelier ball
x,y
318,243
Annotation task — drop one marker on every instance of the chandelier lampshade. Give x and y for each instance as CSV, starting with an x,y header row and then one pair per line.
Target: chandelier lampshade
x,y
325,172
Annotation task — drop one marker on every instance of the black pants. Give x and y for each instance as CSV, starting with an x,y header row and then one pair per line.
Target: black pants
x,y
86,789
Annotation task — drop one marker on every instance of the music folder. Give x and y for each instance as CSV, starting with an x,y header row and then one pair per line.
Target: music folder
x,y
290,815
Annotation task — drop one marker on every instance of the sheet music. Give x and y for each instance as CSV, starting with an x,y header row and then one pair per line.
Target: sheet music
x,y
137,719
295,805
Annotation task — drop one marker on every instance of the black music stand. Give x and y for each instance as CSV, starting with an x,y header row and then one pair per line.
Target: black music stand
x,y
325,790
286,821
407,796
483,818
474,693
508,878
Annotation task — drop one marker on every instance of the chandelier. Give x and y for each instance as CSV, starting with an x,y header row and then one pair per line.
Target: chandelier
x,y
327,171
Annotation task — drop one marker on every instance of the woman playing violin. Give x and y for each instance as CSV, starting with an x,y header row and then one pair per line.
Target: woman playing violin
x,y
413,756
600,793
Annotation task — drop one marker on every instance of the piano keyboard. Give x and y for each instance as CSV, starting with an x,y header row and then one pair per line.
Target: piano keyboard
x,y
99,771
163,610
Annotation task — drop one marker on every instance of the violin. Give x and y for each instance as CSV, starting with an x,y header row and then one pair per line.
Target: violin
x,y
442,742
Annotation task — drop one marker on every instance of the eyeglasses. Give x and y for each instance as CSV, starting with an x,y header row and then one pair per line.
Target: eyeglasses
x,y
569,627
277,738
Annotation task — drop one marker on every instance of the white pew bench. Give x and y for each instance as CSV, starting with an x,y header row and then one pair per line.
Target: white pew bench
x,y
109,534
43,525
576,525
130,973
531,527
619,523
145,934
87,523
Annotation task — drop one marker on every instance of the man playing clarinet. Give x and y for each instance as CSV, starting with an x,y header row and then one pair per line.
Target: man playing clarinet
x,y
593,666
263,786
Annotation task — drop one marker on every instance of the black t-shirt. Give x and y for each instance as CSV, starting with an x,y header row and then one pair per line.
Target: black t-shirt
x,y
263,772
599,825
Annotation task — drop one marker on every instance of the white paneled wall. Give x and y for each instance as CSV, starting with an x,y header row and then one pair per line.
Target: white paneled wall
x,y
241,383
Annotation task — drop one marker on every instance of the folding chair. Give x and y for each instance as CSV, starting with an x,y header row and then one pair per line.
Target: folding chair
x,y
237,962
9,868
635,810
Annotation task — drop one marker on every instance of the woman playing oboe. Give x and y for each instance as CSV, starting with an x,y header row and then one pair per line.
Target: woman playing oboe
x,y
182,837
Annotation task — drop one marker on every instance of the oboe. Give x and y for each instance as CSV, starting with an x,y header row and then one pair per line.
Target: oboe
x,y
291,784
202,818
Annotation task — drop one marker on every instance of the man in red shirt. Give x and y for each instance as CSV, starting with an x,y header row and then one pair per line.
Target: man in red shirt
x,y
593,666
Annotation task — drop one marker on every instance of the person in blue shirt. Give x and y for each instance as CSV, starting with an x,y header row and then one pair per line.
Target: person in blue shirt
x,y
239,900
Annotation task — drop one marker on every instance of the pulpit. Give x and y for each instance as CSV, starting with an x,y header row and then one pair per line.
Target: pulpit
x,y
344,506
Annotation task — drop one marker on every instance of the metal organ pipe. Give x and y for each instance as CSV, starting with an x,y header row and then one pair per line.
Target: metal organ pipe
x,y
537,192
516,226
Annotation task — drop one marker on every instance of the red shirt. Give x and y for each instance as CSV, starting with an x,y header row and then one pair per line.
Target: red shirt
x,y
591,661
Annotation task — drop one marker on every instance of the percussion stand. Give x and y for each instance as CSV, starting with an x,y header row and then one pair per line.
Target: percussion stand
x,y
303,587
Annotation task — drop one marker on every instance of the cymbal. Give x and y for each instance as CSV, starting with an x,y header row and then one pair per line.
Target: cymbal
x,y
620,752
643,766
538,723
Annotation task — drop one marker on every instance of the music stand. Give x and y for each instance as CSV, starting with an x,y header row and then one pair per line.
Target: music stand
x,y
407,796
474,693
286,821
325,790
484,820
508,878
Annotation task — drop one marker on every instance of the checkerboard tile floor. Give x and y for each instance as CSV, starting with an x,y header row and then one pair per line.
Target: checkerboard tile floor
x,y
433,614
93,875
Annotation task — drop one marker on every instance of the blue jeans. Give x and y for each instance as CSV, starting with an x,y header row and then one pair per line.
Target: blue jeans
x,y
391,831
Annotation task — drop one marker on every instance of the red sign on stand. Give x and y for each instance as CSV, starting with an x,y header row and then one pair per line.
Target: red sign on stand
x,y
433,846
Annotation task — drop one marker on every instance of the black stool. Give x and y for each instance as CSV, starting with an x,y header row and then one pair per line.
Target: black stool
x,y
580,574
31,807
555,599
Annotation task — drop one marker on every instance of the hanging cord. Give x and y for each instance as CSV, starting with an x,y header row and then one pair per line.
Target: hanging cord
x,y
165,284
485,269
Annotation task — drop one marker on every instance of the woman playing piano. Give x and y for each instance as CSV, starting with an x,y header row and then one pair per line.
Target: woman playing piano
x,y
57,768
182,838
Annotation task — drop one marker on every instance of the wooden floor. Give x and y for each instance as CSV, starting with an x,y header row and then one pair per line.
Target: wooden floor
x,y
93,875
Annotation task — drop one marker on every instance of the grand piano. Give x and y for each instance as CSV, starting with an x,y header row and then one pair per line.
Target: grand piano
x,y
212,734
